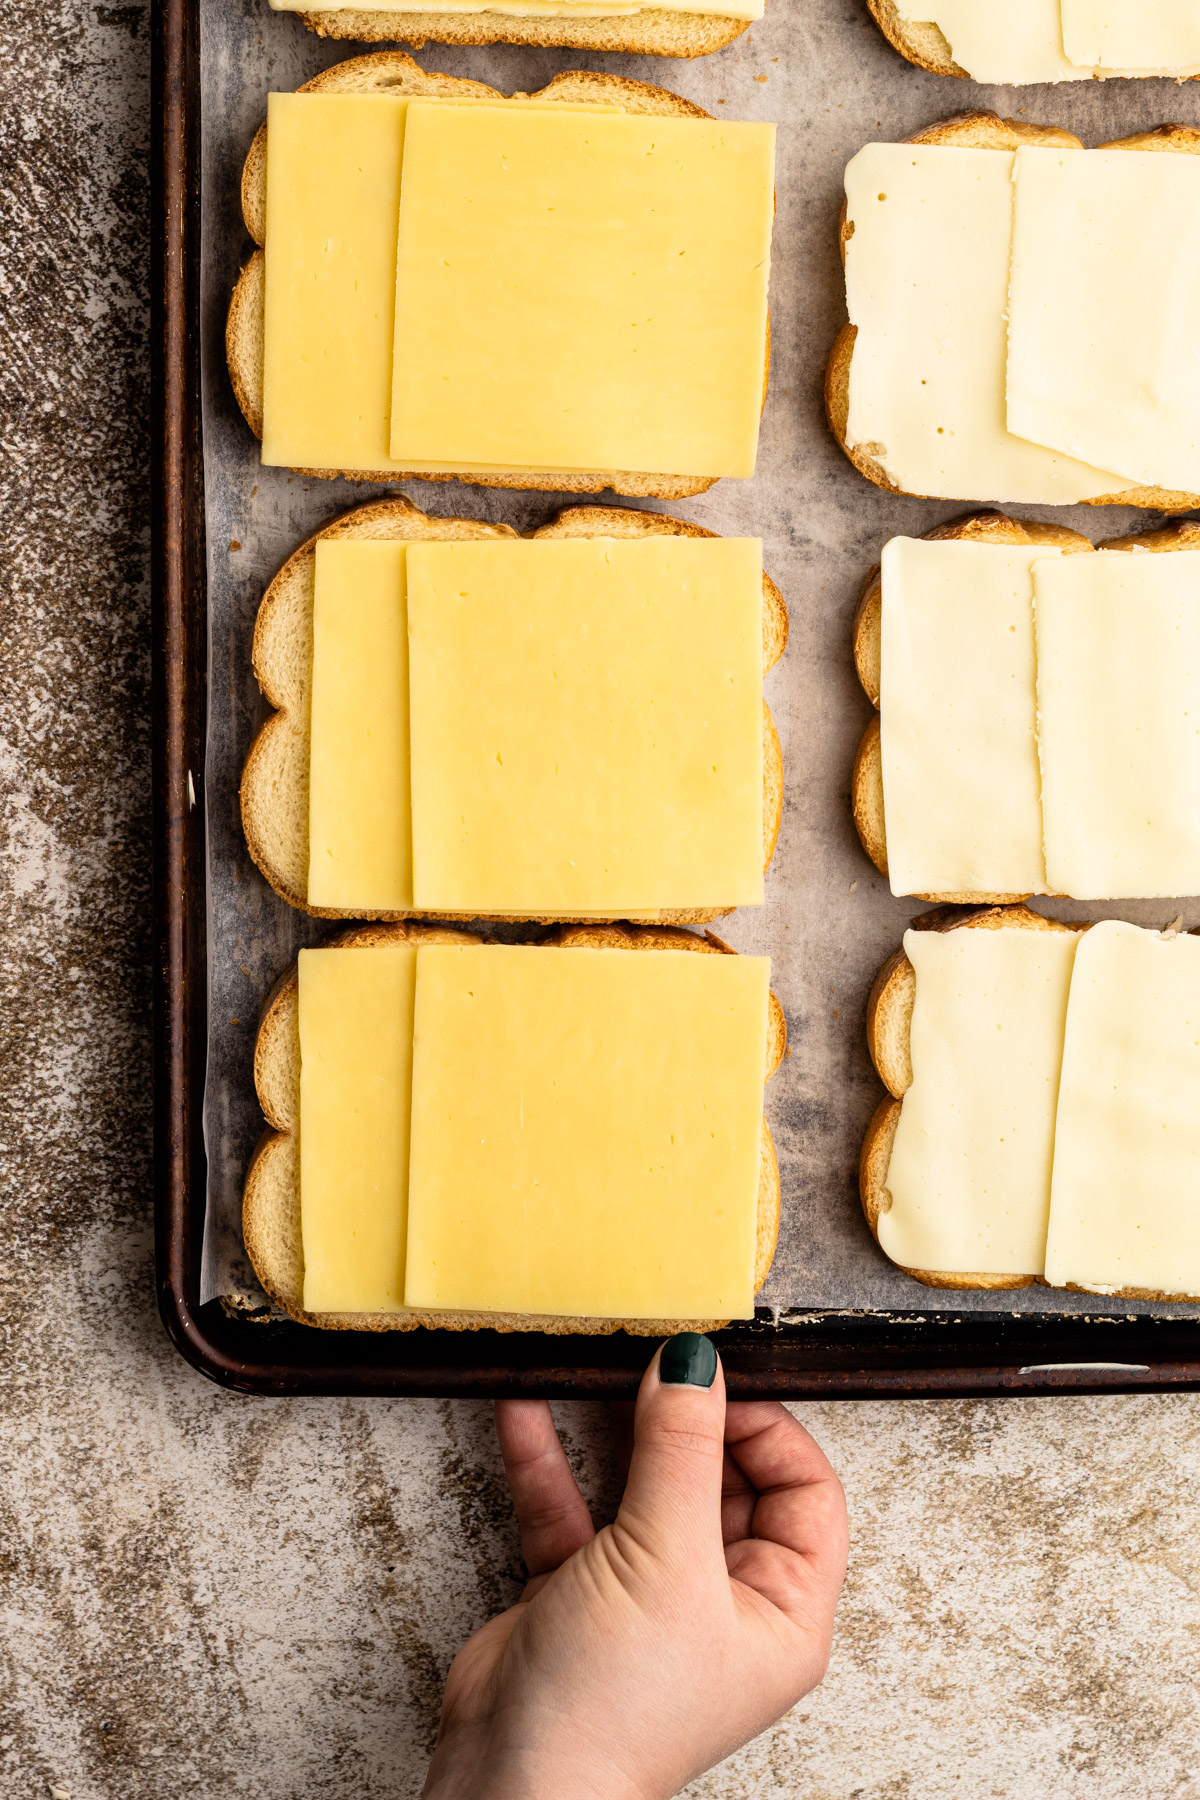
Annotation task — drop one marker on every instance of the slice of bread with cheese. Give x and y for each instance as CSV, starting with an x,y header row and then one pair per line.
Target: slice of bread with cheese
x,y
1042,1123
275,789
1035,719
272,1201
890,1011
628,29
867,785
929,388
490,382
1034,41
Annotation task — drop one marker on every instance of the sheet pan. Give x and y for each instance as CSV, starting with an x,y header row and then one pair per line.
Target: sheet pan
x,y
835,1316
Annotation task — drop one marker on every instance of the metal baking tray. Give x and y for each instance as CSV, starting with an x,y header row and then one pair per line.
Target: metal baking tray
x,y
923,1347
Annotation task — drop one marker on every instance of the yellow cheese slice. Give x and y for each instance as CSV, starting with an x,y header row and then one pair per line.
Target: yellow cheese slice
x,y
961,787
585,1132
360,812
926,285
333,195
1118,648
1160,35
1127,1146
970,1172
552,9
1105,310
356,1010
586,724
581,291
1018,42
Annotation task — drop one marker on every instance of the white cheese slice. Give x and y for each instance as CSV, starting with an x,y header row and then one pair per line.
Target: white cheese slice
x,y
970,1171
961,789
1016,43
1104,328
1125,1211
1159,35
927,287
1118,654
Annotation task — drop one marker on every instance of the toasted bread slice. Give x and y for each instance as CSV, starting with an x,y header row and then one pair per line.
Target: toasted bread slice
x,y
271,1200
988,131
654,32
866,782
393,72
889,1019
274,790
923,43
920,41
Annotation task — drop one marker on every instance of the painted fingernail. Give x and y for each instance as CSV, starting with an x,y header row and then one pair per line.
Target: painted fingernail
x,y
688,1360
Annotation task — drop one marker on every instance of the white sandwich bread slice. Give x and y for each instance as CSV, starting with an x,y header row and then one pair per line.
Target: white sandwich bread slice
x,y
630,30
1041,1125
950,436
395,74
1001,1097
272,1199
1033,41
868,782
867,779
275,786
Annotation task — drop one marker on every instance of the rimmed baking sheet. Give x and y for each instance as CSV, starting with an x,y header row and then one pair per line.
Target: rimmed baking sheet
x,y
824,73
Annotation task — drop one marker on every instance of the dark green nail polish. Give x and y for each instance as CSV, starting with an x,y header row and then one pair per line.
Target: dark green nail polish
x,y
688,1360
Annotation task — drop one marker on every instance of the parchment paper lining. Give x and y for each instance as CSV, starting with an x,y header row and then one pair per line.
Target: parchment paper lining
x,y
822,71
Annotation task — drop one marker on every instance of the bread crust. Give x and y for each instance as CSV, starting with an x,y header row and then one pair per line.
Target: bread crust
x,y
889,1021
271,1197
394,72
919,41
274,786
866,781
654,32
988,131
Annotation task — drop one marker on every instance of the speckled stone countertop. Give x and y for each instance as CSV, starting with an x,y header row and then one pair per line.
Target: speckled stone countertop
x,y
210,1596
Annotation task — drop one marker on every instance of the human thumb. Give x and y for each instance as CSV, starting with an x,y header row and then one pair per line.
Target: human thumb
x,y
673,1494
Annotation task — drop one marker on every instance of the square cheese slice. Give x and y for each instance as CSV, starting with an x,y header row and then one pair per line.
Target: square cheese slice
x,y
360,810
1125,1212
927,289
586,724
586,1132
969,1177
1118,649
334,164
356,1023
581,290
1015,43
1153,35
961,788
1104,310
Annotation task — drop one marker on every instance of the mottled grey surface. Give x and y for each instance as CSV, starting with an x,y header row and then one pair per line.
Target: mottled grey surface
x,y
204,1596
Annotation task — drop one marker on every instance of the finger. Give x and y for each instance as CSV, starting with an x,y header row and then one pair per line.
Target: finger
x,y
738,1500
798,1492
672,1501
621,1413
550,1509
785,1466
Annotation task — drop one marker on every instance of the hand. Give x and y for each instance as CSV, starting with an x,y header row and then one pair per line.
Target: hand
x,y
640,1655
